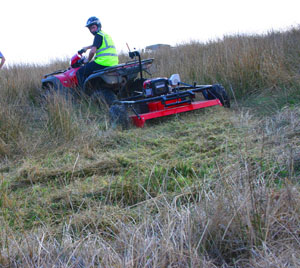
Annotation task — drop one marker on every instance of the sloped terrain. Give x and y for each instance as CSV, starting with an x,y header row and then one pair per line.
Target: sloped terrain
x,y
210,188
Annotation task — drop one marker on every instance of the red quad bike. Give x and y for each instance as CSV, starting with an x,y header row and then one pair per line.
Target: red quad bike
x,y
123,89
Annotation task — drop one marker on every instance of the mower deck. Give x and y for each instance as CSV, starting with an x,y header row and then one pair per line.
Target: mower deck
x,y
157,109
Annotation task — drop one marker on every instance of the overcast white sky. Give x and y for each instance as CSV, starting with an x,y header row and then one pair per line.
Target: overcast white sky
x,y
38,31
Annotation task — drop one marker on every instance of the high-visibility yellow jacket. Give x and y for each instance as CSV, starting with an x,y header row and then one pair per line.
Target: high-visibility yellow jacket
x,y
106,54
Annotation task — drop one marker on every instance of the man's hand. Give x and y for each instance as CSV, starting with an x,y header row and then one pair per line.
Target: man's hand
x,y
84,49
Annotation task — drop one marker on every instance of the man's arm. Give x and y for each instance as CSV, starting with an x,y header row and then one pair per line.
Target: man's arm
x,y
93,48
87,47
91,54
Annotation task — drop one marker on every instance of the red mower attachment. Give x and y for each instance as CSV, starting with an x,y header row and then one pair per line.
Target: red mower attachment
x,y
162,98
157,109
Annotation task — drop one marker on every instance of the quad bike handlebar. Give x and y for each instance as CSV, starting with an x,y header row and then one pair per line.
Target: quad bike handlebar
x,y
133,54
81,51
77,60
81,61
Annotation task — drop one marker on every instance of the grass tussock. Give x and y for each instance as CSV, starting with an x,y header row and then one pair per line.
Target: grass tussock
x,y
61,117
209,188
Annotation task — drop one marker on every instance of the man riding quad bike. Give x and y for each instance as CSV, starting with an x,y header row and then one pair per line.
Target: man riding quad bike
x,y
128,95
102,52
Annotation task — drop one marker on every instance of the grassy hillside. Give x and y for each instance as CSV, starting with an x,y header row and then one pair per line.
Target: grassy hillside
x,y
210,188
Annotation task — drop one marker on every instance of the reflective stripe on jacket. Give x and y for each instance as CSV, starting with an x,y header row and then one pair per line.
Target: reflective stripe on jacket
x,y
106,55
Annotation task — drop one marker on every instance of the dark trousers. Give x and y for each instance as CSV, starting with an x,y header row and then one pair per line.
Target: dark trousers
x,y
85,71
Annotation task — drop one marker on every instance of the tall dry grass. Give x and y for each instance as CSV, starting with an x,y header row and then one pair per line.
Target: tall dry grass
x,y
247,64
243,64
213,189
28,122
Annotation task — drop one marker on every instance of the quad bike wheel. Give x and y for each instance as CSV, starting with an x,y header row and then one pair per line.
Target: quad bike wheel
x,y
217,92
51,90
104,96
118,116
